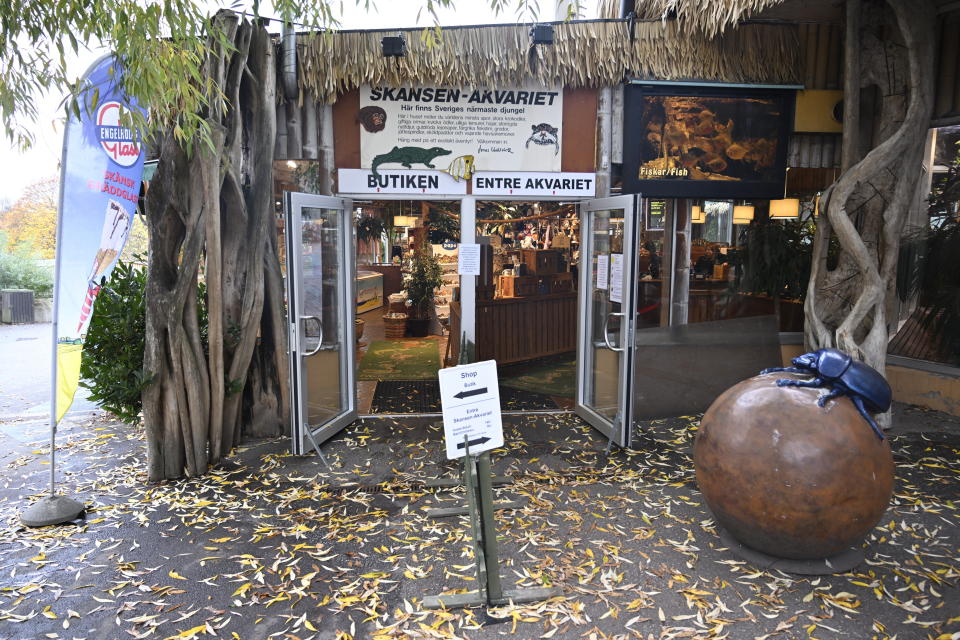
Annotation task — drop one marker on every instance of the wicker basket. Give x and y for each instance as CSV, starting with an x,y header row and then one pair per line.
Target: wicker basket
x,y
394,325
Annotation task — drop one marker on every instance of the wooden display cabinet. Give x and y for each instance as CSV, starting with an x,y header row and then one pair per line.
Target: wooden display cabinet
x,y
517,286
541,262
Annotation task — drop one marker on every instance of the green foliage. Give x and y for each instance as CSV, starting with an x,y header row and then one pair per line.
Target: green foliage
x,y
164,46
112,366
369,228
19,270
776,257
425,276
443,227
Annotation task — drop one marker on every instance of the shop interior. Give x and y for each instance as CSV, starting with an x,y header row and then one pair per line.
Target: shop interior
x,y
408,301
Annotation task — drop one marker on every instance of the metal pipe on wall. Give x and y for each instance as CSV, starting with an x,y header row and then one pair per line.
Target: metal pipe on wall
x,y
325,148
309,128
605,141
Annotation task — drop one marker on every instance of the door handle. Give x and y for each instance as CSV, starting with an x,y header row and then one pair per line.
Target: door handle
x,y
606,336
319,333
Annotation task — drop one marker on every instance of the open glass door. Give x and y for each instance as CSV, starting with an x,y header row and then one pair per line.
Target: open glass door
x,y
608,264
321,306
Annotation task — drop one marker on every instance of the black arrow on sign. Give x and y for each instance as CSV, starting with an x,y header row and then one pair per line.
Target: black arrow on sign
x,y
472,392
482,440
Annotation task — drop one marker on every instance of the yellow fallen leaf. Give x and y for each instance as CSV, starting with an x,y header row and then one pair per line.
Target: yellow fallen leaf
x,y
188,633
174,574
242,589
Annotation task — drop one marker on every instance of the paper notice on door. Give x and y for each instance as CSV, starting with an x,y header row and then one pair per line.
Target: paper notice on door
x,y
602,270
616,277
468,260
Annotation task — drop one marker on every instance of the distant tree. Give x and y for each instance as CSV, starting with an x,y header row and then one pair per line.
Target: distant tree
x,y
31,222
20,270
208,80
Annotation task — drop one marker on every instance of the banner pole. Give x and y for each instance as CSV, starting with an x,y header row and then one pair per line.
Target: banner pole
x,y
55,509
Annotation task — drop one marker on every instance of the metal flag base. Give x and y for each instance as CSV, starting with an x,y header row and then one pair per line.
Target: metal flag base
x,y
839,563
51,510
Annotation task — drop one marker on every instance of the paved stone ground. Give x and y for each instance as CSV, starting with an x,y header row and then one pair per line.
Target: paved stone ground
x,y
25,375
276,546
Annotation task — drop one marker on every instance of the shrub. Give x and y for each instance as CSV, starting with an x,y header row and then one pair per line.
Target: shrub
x,y
112,366
19,270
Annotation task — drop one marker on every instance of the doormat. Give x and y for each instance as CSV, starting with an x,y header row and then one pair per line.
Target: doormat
x,y
416,359
406,396
423,396
553,377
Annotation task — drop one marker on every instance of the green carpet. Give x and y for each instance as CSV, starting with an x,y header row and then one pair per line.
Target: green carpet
x,y
555,377
415,359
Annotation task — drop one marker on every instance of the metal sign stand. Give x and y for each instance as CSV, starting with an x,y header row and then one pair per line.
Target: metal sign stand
x,y
478,482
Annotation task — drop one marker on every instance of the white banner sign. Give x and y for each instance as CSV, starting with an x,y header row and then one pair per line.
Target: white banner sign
x,y
616,277
528,183
468,260
470,398
390,181
603,269
459,130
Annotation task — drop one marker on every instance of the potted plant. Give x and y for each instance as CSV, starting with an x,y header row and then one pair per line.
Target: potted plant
x,y
359,324
369,228
425,276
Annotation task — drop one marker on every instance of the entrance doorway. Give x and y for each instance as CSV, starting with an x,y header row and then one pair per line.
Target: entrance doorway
x,y
326,289
641,347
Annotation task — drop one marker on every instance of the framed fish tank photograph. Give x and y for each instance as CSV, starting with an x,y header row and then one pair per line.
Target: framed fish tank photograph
x,y
706,141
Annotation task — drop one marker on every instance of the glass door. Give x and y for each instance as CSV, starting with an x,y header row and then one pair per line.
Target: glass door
x,y
321,302
608,265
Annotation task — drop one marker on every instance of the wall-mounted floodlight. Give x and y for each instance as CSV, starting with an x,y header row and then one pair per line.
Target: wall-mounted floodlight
x,y
394,46
542,34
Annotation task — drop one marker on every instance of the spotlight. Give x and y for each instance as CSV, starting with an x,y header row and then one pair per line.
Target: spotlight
x,y
542,34
394,46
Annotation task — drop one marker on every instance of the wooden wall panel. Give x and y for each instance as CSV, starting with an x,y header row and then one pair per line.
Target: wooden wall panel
x,y
346,131
579,130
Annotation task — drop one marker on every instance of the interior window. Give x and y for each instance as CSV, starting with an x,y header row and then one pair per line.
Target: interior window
x,y
718,222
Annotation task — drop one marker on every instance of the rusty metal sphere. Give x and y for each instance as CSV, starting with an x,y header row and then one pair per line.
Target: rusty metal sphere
x,y
789,478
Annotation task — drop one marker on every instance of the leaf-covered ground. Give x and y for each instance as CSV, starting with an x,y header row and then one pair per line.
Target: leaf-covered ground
x,y
276,546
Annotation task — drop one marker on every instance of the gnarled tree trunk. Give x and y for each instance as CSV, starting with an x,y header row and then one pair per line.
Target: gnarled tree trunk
x,y
867,206
215,207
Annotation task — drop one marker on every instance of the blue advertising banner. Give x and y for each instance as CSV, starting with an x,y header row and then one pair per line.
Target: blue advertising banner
x,y
99,187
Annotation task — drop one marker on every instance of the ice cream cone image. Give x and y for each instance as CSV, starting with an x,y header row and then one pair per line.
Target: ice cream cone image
x,y
116,227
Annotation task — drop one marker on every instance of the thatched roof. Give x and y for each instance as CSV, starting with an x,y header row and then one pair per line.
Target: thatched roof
x,y
709,17
584,54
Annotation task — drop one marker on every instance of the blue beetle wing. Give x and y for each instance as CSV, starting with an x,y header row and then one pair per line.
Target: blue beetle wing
x,y
866,382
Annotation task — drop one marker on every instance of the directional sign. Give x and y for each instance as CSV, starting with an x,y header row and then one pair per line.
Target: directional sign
x,y
471,408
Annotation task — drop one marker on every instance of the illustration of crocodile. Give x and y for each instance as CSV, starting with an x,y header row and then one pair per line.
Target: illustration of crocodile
x,y
408,156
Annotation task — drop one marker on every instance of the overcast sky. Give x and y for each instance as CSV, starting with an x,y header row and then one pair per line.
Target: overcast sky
x,y
19,170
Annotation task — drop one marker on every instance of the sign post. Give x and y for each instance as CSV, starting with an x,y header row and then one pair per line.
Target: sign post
x,y
470,395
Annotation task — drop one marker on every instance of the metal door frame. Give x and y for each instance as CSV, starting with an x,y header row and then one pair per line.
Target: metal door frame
x,y
303,435
618,430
